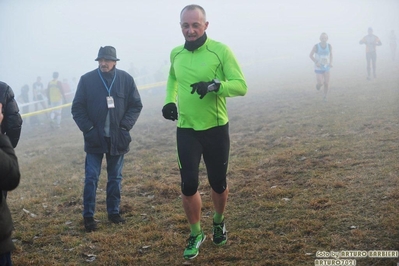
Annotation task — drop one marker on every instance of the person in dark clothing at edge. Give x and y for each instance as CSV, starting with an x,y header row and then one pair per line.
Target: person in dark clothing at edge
x,y
9,180
106,106
12,121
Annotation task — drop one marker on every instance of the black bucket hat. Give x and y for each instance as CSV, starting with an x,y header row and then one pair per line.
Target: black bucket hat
x,y
107,52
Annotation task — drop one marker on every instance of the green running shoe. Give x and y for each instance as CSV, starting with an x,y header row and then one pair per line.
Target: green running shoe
x,y
219,233
192,248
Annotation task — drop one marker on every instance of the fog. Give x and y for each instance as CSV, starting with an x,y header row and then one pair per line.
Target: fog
x,y
42,36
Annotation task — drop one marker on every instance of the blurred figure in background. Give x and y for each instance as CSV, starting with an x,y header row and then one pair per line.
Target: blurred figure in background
x,y
38,93
56,97
38,98
9,180
392,44
106,106
371,41
67,90
203,73
23,98
321,55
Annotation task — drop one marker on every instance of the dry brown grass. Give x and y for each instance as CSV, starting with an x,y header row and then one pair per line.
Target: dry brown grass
x,y
304,176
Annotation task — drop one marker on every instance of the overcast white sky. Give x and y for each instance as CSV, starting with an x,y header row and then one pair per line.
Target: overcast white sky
x,y
41,36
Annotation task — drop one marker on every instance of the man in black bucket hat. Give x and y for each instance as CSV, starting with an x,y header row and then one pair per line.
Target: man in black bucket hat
x,y
106,106
107,52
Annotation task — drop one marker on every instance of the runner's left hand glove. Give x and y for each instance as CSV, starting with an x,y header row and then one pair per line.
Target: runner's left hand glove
x,y
202,88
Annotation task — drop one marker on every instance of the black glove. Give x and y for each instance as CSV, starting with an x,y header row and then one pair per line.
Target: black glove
x,y
203,88
169,111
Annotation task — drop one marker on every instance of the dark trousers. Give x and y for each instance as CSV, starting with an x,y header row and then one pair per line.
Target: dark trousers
x,y
371,58
5,259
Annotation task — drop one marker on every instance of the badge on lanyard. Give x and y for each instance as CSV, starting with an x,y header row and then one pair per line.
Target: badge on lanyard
x,y
110,102
110,99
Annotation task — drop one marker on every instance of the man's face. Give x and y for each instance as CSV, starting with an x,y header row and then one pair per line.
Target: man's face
x,y
370,31
323,38
106,65
193,24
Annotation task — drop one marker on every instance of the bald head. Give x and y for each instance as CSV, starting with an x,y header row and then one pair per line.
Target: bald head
x,y
193,7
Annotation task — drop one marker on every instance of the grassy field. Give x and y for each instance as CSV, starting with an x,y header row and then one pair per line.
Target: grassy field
x,y
304,176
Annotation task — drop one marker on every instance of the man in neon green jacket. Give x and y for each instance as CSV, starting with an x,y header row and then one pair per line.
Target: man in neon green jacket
x,y
203,73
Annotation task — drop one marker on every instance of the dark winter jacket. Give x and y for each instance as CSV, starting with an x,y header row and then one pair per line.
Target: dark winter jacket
x,y
9,180
12,121
89,110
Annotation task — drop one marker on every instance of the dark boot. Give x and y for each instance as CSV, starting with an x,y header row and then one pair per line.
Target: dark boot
x,y
116,218
90,224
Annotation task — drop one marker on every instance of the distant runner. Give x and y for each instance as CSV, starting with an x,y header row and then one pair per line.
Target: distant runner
x,y
322,57
371,41
56,97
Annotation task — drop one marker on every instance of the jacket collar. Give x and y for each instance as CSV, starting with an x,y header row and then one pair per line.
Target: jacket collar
x,y
191,46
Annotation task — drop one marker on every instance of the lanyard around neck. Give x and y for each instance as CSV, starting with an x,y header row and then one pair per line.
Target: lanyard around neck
x,y
105,84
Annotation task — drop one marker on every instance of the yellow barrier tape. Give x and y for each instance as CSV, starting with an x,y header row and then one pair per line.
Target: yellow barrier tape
x,y
45,110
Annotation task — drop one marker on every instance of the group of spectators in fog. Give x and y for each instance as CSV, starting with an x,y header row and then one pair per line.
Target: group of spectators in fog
x,y
41,97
